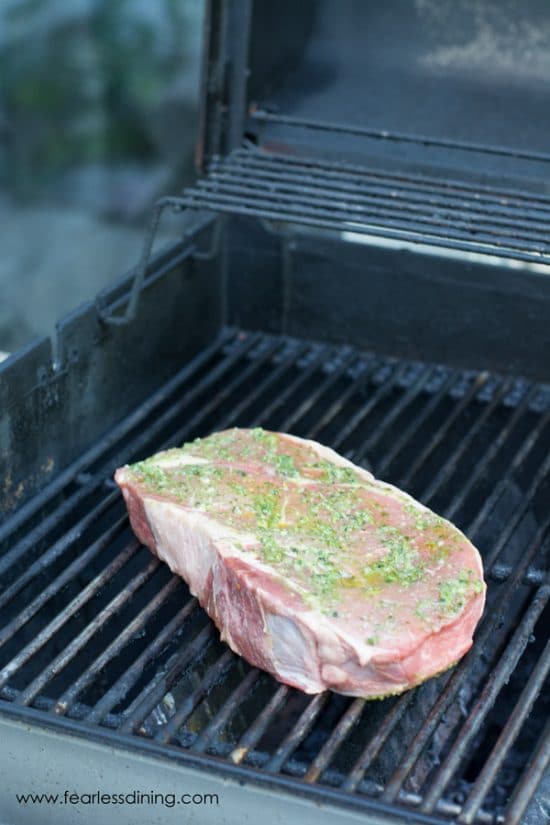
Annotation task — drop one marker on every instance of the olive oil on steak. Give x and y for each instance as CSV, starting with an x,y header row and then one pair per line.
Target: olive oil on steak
x,y
307,516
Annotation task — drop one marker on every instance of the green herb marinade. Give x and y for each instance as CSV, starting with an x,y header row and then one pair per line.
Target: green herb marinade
x,y
305,516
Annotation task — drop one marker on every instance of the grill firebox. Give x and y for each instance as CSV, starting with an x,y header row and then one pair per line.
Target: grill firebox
x,y
97,631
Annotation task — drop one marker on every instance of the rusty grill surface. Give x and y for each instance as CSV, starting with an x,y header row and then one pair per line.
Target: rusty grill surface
x,y
97,634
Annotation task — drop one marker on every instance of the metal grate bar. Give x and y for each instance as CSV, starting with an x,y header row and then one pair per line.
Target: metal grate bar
x,y
307,719
318,393
189,704
112,650
292,387
384,389
530,779
255,732
493,686
222,716
518,514
342,729
339,404
56,550
62,659
442,431
413,800
351,179
273,379
313,193
533,575
405,208
161,683
410,431
484,633
125,683
507,737
407,397
375,745
60,581
84,596
524,451
452,461
493,451
399,137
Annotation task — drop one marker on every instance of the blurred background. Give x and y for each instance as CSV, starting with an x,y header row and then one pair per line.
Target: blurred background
x,y
98,117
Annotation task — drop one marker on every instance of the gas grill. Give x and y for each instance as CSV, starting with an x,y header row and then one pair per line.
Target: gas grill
x,y
364,261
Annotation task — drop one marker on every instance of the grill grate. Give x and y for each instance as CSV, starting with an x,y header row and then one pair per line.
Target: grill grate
x,y
404,206
96,630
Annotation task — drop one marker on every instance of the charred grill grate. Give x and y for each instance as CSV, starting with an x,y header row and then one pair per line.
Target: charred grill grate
x,y
404,206
96,630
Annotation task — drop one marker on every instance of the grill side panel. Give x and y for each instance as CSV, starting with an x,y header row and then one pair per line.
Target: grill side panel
x,y
59,398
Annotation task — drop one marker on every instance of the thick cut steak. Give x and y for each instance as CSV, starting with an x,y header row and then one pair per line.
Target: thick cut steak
x,y
311,568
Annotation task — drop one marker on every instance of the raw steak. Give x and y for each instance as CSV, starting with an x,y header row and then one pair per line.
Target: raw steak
x,y
311,568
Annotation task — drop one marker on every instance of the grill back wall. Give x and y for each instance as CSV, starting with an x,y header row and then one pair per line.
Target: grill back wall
x,y
408,304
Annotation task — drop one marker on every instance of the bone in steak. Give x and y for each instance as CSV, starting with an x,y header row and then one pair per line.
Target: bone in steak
x,y
311,568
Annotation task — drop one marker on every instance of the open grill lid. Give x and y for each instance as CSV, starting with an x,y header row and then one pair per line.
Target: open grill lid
x,y
422,122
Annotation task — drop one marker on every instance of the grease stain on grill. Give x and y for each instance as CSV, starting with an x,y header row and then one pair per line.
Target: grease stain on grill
x,y
475,445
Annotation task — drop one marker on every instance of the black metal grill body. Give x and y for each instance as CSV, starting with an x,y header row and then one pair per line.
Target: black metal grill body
x,y
404,357
97,635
